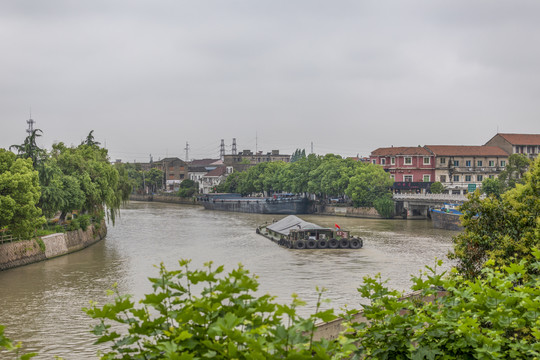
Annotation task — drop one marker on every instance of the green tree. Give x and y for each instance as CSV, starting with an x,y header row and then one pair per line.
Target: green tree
x,y
502,229
29,148
491,317
99,180
385,206
436,188
369,183
188,188
19,195
516,168
298,154
492,186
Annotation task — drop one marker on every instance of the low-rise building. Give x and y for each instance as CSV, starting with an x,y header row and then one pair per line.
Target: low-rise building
x,y
246,159
198,169
174,170
212,179
462,168
411,167
528,144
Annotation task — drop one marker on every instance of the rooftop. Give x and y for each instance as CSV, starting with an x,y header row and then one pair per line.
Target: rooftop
x,y
521,139
400,150
466,150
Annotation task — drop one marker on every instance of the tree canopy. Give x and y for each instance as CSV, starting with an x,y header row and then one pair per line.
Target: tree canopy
x,y
501,229
19,195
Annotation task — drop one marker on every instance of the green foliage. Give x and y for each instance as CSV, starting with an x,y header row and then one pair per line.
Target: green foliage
x,y
492,187
298,154
494,317
29,149
88,181
436,188
370,182
385,207
84,221
503,230
518,164
19,195
188,188
7,344
41,244
226,320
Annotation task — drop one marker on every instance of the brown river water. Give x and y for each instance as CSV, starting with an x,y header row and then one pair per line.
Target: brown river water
x,y
41,303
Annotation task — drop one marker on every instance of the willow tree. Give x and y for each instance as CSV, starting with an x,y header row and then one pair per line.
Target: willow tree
x,y
99,181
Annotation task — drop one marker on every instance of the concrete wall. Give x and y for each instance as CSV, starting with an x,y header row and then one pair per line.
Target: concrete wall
x,y
347,211
28,251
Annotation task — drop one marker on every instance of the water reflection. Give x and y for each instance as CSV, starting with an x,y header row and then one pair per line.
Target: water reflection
x,y
41,303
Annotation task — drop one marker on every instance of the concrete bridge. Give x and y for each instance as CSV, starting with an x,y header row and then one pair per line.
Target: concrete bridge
x,y
418,205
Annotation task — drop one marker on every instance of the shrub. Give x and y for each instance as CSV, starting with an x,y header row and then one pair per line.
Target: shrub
x,y
436,188
385,207
225,321
84,221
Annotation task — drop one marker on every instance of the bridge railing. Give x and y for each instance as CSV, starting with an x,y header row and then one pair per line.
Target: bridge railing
x,y
431,197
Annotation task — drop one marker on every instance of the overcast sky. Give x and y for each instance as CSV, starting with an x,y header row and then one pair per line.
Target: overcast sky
x,y
347,76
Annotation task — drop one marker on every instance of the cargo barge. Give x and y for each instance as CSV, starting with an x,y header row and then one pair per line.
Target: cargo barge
x,y
284,205
294,233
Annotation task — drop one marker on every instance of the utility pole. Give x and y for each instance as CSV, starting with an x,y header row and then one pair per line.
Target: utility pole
x,y
187,151
222,150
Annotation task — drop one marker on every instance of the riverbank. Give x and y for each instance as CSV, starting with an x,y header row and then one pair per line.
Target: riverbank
x,y
24,252
172,199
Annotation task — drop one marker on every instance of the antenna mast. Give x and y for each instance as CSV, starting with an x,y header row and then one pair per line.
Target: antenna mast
x,y
187,151
234,151
222,150
30,123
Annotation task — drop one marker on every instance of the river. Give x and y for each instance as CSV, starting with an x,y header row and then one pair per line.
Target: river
x,y
40,304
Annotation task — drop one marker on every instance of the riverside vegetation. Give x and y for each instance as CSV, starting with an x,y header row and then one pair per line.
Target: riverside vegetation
x,y
488,307
36,184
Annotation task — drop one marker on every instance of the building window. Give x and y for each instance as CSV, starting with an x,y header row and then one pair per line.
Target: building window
x,y
427,160
442,160
456,162
479,177
443,178
503,163
408,161
456,177
491,163
392,176
383,161
374,161
393,160
407,178
479,163
467,178
492,176
468,163
427,178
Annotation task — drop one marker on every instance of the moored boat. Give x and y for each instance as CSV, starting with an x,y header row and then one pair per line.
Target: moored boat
x,y
294,233
284,205
447,217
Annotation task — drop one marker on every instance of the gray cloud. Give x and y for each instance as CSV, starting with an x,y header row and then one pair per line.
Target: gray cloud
x,y
348,76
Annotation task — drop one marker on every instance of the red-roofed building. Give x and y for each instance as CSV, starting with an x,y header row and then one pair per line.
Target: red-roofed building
x,y
213,178
460,167
528,144
406,165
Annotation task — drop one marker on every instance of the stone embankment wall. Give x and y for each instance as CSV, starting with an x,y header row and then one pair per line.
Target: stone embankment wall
x,y
347,211
164,198
25,252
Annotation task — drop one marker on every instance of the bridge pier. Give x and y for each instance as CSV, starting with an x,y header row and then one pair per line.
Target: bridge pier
x,y
417,206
